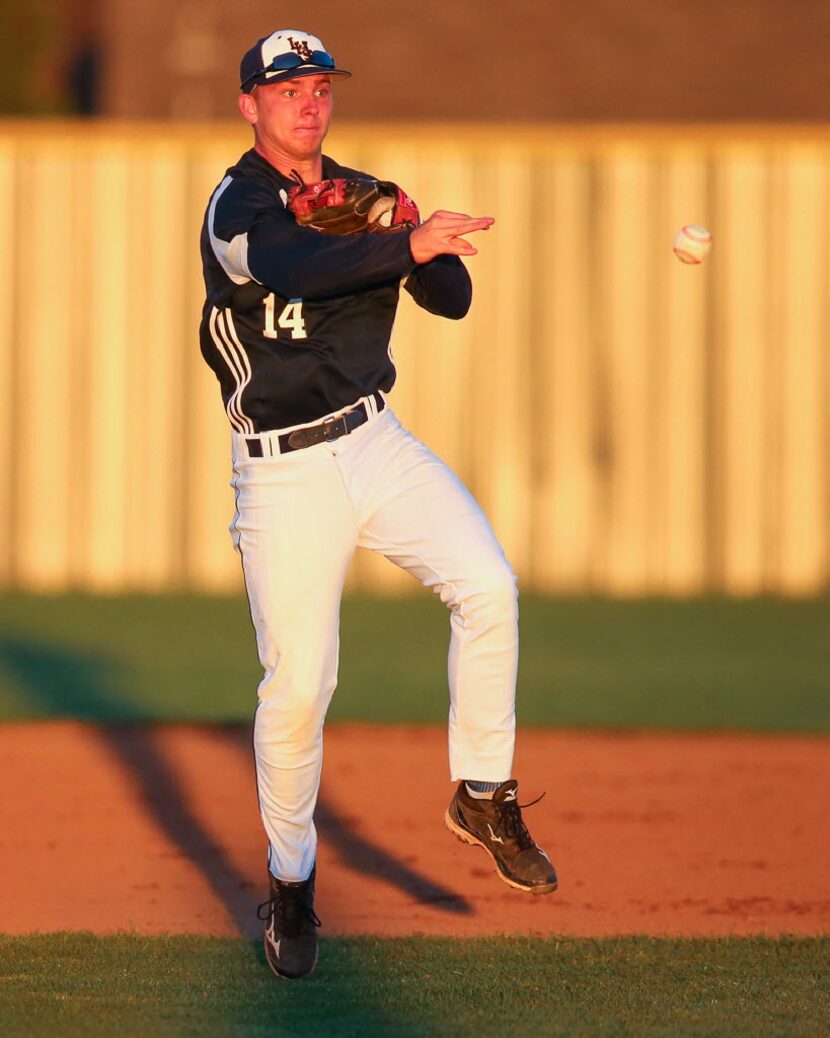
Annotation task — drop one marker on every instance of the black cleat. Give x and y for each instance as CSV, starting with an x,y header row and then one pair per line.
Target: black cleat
x,y
497,826
291,927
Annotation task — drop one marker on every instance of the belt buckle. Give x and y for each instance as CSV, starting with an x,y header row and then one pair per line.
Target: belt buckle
x,y
330,433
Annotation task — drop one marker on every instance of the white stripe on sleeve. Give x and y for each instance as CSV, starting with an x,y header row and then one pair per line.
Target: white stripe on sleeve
x,y
233,254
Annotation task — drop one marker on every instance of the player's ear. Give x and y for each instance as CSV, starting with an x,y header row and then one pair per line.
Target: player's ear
x,y
247,106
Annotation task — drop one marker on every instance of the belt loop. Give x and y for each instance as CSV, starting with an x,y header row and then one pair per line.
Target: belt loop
x,y
332,426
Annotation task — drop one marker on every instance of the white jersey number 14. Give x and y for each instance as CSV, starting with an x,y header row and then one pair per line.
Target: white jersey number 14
x,y
291,318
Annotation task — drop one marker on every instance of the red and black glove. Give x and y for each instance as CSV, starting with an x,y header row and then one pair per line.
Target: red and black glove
x,y
352,206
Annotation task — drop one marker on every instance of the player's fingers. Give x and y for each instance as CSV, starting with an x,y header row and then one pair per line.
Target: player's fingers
x,y
459,234
448,214
478,223
460,247
447,220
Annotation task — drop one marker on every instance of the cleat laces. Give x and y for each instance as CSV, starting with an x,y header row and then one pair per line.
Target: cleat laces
x,y
290,910
510,823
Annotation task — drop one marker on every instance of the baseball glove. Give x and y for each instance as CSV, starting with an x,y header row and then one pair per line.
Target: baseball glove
x,y
352,206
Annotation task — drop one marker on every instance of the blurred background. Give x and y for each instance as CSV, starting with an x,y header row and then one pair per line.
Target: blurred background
x,y
470,61
632,426
650,440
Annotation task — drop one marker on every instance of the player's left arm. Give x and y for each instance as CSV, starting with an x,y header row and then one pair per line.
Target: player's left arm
x,y
442,287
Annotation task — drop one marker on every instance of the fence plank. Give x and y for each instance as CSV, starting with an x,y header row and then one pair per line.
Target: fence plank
x,y
623,287
681,300
564,496
803,494
47,422
743,252
501,374
109,374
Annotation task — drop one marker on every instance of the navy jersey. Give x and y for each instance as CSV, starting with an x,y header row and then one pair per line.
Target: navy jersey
x,y
296,324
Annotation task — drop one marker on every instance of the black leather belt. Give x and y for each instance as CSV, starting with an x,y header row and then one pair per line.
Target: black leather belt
x,y
326,431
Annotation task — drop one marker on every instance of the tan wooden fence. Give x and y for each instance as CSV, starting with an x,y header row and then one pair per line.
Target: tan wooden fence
x,y
631,425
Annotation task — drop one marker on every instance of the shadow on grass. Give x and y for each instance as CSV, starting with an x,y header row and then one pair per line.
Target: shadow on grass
x,y
59,682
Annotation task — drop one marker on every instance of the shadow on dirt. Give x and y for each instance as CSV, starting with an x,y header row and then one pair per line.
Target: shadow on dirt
x,y
62,683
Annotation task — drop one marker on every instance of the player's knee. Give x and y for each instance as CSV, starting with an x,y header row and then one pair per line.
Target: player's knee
x,y
297,694
293,718
494,597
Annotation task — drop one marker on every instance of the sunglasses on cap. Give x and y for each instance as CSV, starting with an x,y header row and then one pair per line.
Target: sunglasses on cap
x,y
286,62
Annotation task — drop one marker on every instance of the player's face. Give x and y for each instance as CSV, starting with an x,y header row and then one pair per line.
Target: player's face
x,y
292,117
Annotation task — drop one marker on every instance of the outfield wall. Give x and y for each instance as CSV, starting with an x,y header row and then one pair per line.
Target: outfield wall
x,y
631,425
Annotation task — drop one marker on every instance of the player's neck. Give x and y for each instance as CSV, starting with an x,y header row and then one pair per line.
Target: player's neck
x,y
310,168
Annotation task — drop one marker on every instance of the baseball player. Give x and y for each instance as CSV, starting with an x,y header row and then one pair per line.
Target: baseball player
x,y
296,327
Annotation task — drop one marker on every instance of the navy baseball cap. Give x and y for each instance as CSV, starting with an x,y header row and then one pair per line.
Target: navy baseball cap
x,y
285,54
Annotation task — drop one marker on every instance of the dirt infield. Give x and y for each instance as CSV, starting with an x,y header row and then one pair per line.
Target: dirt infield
x,y
156,830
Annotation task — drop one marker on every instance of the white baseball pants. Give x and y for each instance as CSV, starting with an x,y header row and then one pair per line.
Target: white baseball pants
x,y
298,520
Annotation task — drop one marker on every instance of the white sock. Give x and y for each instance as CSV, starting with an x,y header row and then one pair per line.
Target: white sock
x,y
481,790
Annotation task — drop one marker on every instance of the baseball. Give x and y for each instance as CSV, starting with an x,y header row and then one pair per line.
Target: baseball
x,y
692,243
381,211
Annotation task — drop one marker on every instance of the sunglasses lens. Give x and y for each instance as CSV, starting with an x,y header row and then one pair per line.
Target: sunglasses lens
x,y
320,57
284,61
287,61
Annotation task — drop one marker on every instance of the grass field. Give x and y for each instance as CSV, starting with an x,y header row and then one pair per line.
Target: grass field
x,y
758,664
636,987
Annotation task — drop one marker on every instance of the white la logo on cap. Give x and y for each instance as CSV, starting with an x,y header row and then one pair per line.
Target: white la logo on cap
x,y
286,54
289,41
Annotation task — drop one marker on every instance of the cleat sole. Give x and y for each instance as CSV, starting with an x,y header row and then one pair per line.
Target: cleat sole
x,y
465,836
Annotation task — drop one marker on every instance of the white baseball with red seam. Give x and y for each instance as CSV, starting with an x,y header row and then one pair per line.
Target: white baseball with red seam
x,y
381,211
691,243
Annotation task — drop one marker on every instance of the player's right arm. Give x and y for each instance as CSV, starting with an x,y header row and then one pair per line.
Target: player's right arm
x,y
303,262
299,261
254,237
